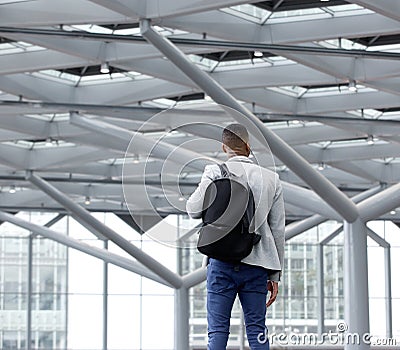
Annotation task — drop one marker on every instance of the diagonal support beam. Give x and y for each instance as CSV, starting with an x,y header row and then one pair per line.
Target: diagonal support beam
x,y
99,253
86,219
293,194
298,227
380,203
143,144
324,188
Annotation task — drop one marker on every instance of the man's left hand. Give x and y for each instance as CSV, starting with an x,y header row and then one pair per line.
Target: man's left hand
x,y
272,286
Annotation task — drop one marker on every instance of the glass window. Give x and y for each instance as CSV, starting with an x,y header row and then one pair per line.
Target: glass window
x,y
297,264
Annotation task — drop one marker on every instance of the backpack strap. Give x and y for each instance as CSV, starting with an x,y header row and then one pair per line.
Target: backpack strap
x,y
224,170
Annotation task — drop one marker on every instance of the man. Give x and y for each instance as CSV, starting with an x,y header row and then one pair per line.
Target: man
x,y
259,272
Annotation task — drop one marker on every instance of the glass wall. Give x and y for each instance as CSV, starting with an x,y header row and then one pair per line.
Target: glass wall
x,y
70,289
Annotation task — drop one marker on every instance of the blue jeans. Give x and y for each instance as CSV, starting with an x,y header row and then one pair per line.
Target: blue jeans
x,y
226,280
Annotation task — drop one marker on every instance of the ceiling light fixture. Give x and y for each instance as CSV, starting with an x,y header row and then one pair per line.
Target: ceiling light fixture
x,y
181,199
258,54
12,189
321,166
353,86
136,159
370,140
87,200
104,68
393,212
49,142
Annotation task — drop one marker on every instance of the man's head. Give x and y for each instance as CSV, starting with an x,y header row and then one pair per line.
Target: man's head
x,y
235,140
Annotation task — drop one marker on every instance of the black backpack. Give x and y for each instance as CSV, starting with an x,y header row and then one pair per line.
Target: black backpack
x,y
228,233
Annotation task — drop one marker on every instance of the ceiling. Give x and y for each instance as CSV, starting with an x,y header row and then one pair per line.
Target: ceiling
x,y
351,137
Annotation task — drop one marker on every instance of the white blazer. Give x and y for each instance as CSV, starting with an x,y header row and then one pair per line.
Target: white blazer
x,y
269,213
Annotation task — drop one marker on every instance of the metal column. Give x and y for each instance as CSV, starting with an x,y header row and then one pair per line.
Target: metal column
x,y
356,281
320,287
181,318
105,301
388,293
29,293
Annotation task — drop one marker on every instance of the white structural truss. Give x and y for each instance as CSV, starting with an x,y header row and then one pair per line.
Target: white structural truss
x,y
319,80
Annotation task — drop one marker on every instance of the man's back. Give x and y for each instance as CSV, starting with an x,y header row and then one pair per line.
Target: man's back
x,y
269,214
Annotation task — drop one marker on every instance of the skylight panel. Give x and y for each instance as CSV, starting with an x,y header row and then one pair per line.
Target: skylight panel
x,y
345,8
17,47
341,43
57,75
48,143
251,10
296,13
391,48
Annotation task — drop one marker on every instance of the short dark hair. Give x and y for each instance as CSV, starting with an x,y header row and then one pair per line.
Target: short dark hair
x,y
235,136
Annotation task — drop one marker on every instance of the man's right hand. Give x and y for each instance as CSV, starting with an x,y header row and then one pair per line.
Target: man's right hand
x,y
272,287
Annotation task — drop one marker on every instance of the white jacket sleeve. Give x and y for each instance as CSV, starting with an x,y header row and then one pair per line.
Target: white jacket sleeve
x,y
276,221
194,205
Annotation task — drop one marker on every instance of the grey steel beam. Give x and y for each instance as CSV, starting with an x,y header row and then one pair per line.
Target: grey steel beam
x,y
295,195
298,227
162,150
85,218
295,228
380,203
388,279
378,239
195,277
331,236
325,189
356,281
143,144
99,253
220,44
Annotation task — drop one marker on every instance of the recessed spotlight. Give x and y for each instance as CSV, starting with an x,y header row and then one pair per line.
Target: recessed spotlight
x,y
12,189
393,212
258,54
321,166
87,200
104,68
353,86
370,140
181,199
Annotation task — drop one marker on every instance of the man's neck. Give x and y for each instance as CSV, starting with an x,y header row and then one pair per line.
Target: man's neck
x,y
236,154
